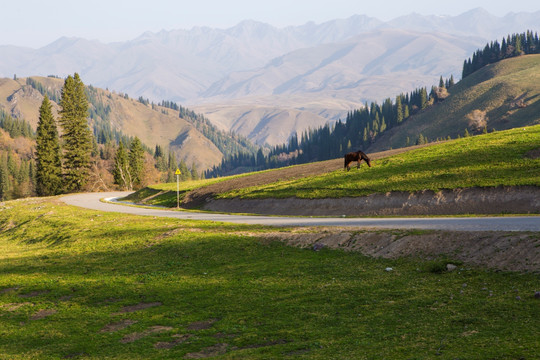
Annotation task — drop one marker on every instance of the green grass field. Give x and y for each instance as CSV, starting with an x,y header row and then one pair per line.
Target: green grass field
x,y
495,159
81,284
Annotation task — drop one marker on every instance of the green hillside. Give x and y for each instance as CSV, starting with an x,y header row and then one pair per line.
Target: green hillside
x,y
81,284
505,158
502,158
506,94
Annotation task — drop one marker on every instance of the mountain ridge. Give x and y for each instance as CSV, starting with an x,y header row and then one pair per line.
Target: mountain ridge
x,y
196,66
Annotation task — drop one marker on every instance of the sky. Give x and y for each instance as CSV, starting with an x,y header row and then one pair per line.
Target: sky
x,y
36,23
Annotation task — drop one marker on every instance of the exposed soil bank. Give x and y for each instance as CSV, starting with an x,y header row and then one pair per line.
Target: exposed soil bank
x,y
496,250
511,200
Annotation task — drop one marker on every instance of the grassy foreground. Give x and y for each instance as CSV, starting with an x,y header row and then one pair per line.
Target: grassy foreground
x,y
87,285
495,159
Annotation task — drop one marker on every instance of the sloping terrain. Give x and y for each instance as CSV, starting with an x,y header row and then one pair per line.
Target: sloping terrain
x,y
491,173
354,59
86,284
369,67
261,121
154,125
200,196
502,95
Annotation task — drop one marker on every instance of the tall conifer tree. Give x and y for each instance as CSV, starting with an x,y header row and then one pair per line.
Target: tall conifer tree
x,y
121,172
48,164
76,134
136,161
399,110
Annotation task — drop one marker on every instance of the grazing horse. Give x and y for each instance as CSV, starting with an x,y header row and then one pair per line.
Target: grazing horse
x,y
356,156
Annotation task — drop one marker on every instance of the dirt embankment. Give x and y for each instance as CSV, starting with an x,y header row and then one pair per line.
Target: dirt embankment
x,y
510,200
201,196
509,251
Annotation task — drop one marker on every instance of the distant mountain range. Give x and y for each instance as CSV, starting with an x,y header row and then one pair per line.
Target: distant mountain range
x,y
255,78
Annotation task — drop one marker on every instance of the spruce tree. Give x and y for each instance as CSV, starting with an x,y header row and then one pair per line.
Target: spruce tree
x,y
4,180
48,164
399,110
76,134
423,98
136,161
121,174
194,171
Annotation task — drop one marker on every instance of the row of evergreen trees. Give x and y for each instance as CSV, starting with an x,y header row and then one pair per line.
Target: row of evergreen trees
x,y
167,164
67,169
17,176
51,94
129,166
64,166
360,129
15,127
511,46
228,143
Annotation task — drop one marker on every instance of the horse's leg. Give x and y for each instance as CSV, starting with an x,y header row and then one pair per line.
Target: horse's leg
x,y
347,166
358,166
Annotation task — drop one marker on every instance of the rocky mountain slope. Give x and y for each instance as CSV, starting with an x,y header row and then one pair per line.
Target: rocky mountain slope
x,y
353,60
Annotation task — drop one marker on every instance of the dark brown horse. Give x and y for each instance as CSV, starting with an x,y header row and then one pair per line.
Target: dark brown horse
x,y
356,156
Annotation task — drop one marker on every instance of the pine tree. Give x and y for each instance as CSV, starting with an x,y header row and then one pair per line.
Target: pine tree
x,y
121,173
194,172
185,174
136,162
399,110
76,134
48,164
441,82
518,49
4,180
423,98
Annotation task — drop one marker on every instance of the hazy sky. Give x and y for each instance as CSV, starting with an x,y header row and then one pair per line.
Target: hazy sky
x,y
35,23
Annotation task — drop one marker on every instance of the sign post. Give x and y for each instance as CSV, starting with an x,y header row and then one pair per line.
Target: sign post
x,y
177,173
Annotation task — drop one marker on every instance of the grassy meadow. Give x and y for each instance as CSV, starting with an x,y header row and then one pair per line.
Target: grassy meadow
x,y
490,160
80,284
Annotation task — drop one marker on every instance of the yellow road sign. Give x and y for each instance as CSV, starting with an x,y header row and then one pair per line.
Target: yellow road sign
x,y
177,172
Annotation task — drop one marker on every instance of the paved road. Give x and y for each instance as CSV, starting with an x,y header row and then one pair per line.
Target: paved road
x,y
522,223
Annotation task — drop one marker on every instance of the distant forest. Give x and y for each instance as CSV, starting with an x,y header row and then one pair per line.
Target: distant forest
x,y
511,46
359,130
363,126
227,143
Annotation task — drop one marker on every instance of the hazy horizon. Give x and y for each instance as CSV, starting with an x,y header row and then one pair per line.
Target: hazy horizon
x,y
122,20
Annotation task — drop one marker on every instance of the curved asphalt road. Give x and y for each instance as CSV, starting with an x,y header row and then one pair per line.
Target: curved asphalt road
x,y
521,223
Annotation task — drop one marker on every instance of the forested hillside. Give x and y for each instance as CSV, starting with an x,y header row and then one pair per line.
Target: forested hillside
x,y
496,96
115,115
17,168
171,136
